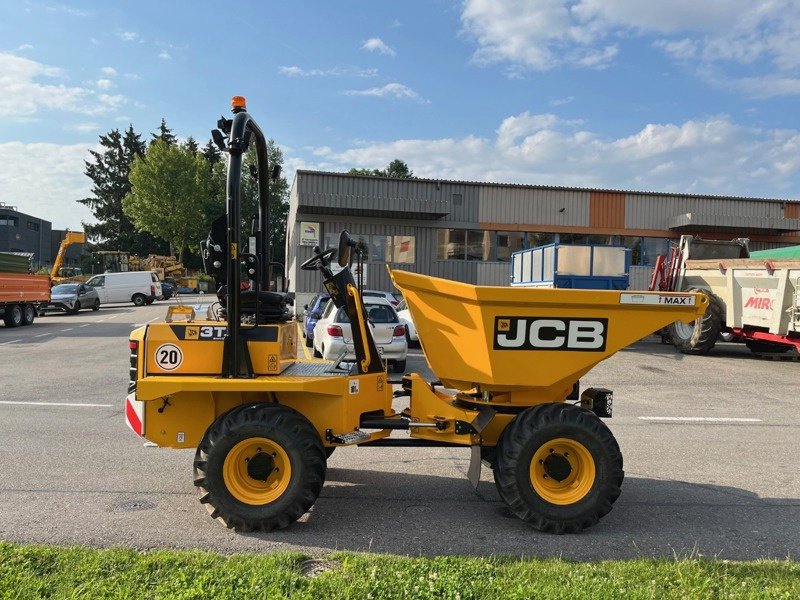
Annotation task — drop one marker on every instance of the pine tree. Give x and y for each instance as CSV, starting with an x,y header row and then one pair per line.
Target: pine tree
x,y
212,153
192,145
109,174
164,133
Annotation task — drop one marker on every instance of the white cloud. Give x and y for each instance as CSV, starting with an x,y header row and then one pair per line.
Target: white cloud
x,y
129,36
24,93
164,55
378,45
58,173
547,34
295,71
395,90
712,156
109,71
104,84
82,127
24,47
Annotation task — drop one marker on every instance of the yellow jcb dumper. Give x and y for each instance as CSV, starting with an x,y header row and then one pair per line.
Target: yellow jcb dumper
x,y
508,359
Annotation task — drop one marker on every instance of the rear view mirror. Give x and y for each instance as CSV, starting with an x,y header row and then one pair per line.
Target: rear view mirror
x,y
344,249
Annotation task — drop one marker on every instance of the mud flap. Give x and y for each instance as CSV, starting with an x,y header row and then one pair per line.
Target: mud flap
x,y
474,471
479,423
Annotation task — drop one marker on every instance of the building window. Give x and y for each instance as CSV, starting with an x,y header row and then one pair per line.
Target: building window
x,y
378,246
450,244
404,249
509,242
651,248
10,221
537,238
33,226
480,245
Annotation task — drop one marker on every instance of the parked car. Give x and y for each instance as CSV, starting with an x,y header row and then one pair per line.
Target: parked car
x,y
333,333
393,299
405,319
313,311
139,287
167,290
71,297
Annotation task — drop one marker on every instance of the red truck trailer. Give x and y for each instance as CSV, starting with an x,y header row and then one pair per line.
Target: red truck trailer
x,y
20,296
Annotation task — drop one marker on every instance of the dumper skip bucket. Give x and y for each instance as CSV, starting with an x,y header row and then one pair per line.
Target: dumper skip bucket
x,y
540,340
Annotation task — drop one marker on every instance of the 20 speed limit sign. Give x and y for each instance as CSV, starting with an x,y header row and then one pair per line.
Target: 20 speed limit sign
x,y
169,357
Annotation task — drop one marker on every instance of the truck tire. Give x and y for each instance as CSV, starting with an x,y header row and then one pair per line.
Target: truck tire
x,y
259,467
139,300
699,336
28,314
558,467
13,316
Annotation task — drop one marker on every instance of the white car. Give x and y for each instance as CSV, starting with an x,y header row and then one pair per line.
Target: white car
x,y
333,333
393,299
405,319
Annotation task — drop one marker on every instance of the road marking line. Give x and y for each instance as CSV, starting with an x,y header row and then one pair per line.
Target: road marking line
x,y
84,325
44,334
303,342
703,419
11,342
82,405
67,329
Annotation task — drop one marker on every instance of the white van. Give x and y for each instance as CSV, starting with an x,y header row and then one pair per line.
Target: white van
x,y
139,287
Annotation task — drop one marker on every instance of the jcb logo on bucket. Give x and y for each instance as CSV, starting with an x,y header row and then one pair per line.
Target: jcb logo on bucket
x,y
550,333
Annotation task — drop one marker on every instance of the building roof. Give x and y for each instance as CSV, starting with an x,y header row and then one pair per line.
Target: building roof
x,y
545,187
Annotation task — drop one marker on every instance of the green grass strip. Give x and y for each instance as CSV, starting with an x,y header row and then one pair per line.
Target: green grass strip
x,y
53,572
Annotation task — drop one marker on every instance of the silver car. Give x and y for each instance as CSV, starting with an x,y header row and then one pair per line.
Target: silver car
x,y
332,333
72,297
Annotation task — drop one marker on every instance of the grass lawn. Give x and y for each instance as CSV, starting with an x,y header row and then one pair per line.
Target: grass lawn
x,y
51,572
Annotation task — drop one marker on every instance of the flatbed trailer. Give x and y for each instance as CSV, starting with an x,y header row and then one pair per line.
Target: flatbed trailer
x,y
20,296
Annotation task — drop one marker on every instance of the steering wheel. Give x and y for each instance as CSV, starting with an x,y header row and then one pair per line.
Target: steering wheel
x,y
322,258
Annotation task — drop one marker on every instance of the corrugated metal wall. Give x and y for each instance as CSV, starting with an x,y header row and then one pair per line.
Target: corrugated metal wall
x,y
409,207
654,211
607,210
504,204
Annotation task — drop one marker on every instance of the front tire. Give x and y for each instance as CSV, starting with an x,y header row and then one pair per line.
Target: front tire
x,y
559,468
75,309
96,305
699,336
259,467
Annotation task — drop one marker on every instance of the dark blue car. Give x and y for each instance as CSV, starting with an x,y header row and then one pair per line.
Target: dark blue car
x,y
313,311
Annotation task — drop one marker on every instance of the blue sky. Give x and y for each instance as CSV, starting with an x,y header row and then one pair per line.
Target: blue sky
x,y
680,96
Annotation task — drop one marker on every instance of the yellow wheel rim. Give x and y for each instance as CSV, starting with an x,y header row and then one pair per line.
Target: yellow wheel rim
x,y
257,471
562,471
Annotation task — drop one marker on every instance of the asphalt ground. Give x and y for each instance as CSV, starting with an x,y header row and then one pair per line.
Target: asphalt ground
x,y
711,447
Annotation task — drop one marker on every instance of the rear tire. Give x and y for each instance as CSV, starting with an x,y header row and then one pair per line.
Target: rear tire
x,y
317,353
259,467
399,366
558,468
13,316
28,314
309,342
139,300
699,336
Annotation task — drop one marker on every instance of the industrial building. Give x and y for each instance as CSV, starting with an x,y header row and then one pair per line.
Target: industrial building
x,y
20,232
466,231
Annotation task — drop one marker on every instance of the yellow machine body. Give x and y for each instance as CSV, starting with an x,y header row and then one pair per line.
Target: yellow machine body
x,y
179,391
530,345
